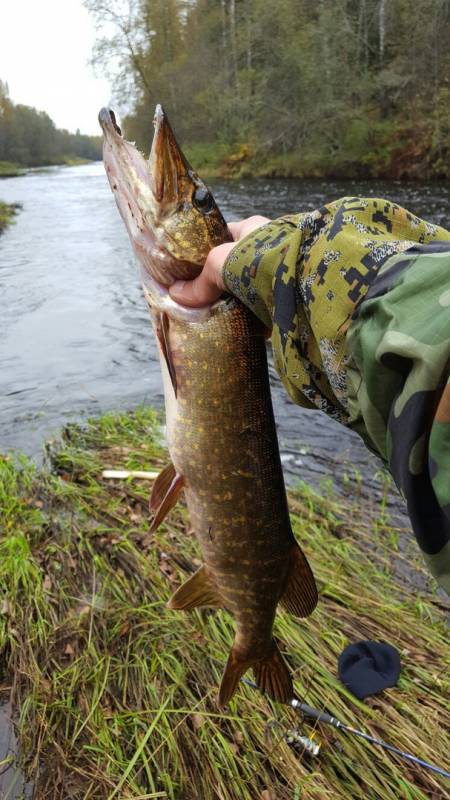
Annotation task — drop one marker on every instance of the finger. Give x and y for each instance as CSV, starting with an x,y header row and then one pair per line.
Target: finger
x,y
234,228
241,228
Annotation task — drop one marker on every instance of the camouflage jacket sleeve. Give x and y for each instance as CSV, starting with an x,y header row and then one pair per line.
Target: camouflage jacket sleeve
x,y
358,296
399,388
304,275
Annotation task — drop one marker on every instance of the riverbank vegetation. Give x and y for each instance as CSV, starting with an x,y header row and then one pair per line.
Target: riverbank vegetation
x,y
29,138
292,88
7,214
116,694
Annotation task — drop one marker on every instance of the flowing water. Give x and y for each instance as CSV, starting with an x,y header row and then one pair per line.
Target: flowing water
x,y
75,337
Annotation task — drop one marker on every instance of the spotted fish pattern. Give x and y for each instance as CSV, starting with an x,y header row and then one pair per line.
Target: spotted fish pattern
x,y
222,440
313,278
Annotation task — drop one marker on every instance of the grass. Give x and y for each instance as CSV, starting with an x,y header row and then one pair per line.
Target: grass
x,y
10,170
116,694
7,214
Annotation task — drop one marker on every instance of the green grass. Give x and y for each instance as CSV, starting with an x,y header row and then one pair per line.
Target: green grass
x,y
73,161
10,170
7,214
116,694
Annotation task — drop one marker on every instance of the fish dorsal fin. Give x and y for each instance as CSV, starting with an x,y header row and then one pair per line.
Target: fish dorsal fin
x,y
300,595
162,332
165,493
199,590
271,675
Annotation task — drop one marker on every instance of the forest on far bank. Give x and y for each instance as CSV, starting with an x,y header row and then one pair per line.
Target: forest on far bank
x,y
30,138
334,87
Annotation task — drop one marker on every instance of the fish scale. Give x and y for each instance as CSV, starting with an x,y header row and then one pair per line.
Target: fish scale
x,y
221,431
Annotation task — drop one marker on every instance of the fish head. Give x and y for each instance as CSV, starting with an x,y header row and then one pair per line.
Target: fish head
x,y
170,214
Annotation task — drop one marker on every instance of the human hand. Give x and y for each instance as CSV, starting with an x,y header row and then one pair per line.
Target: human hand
x,y
208,286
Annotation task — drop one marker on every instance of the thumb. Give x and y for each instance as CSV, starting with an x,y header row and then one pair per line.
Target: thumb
x,y
199,292
208,286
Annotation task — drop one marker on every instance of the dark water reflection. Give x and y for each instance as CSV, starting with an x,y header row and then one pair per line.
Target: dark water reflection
x,y
74,332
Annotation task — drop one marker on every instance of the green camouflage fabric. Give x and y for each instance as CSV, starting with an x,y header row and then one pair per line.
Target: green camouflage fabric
x,y
306,277
398,388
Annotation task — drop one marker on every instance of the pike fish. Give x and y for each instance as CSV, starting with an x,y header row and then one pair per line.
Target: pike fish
x,y
221,433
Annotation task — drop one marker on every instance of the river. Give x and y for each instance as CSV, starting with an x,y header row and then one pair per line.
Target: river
x,y
75,338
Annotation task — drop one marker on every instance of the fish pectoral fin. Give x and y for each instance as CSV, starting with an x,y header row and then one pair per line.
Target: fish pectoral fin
x,y
271,675
300,595
173,483
162,332
161,486
199,590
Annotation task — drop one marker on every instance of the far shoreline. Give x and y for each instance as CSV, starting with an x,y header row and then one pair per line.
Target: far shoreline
x,y
10,169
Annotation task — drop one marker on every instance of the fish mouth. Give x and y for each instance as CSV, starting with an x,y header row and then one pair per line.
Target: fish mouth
x,y
167,172
158,199
108,123
148,193
169,169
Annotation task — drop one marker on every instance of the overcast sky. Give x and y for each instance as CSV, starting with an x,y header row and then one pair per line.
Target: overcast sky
x,y
44,49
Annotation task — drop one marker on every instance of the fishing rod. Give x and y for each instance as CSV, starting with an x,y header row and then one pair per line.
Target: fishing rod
x,y
328,719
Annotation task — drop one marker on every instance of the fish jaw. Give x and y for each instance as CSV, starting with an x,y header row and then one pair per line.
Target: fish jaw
x,y
129,177
170,215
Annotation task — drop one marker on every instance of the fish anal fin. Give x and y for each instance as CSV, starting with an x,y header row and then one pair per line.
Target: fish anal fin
x,y
300,595
168,501
161,486
162,332
199,590
271,675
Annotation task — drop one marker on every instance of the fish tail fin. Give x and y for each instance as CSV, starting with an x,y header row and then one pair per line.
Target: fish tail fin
x,y
233,672
273,677
271,674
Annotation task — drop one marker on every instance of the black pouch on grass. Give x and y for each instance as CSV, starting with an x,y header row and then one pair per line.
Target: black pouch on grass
x,y
366,668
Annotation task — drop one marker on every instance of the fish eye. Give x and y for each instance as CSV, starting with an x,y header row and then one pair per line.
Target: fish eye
x,y
203,199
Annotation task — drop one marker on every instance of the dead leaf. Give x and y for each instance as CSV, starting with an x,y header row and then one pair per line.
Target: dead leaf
x,y
167,568
267,794
47,583
5,608
197,721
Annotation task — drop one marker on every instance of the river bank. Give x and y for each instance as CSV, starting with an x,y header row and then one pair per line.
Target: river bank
x,y
391,154
115,694
8,169
7,213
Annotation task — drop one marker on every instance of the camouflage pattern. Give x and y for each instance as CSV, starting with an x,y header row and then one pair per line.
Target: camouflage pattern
x,y
306,276
399,388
